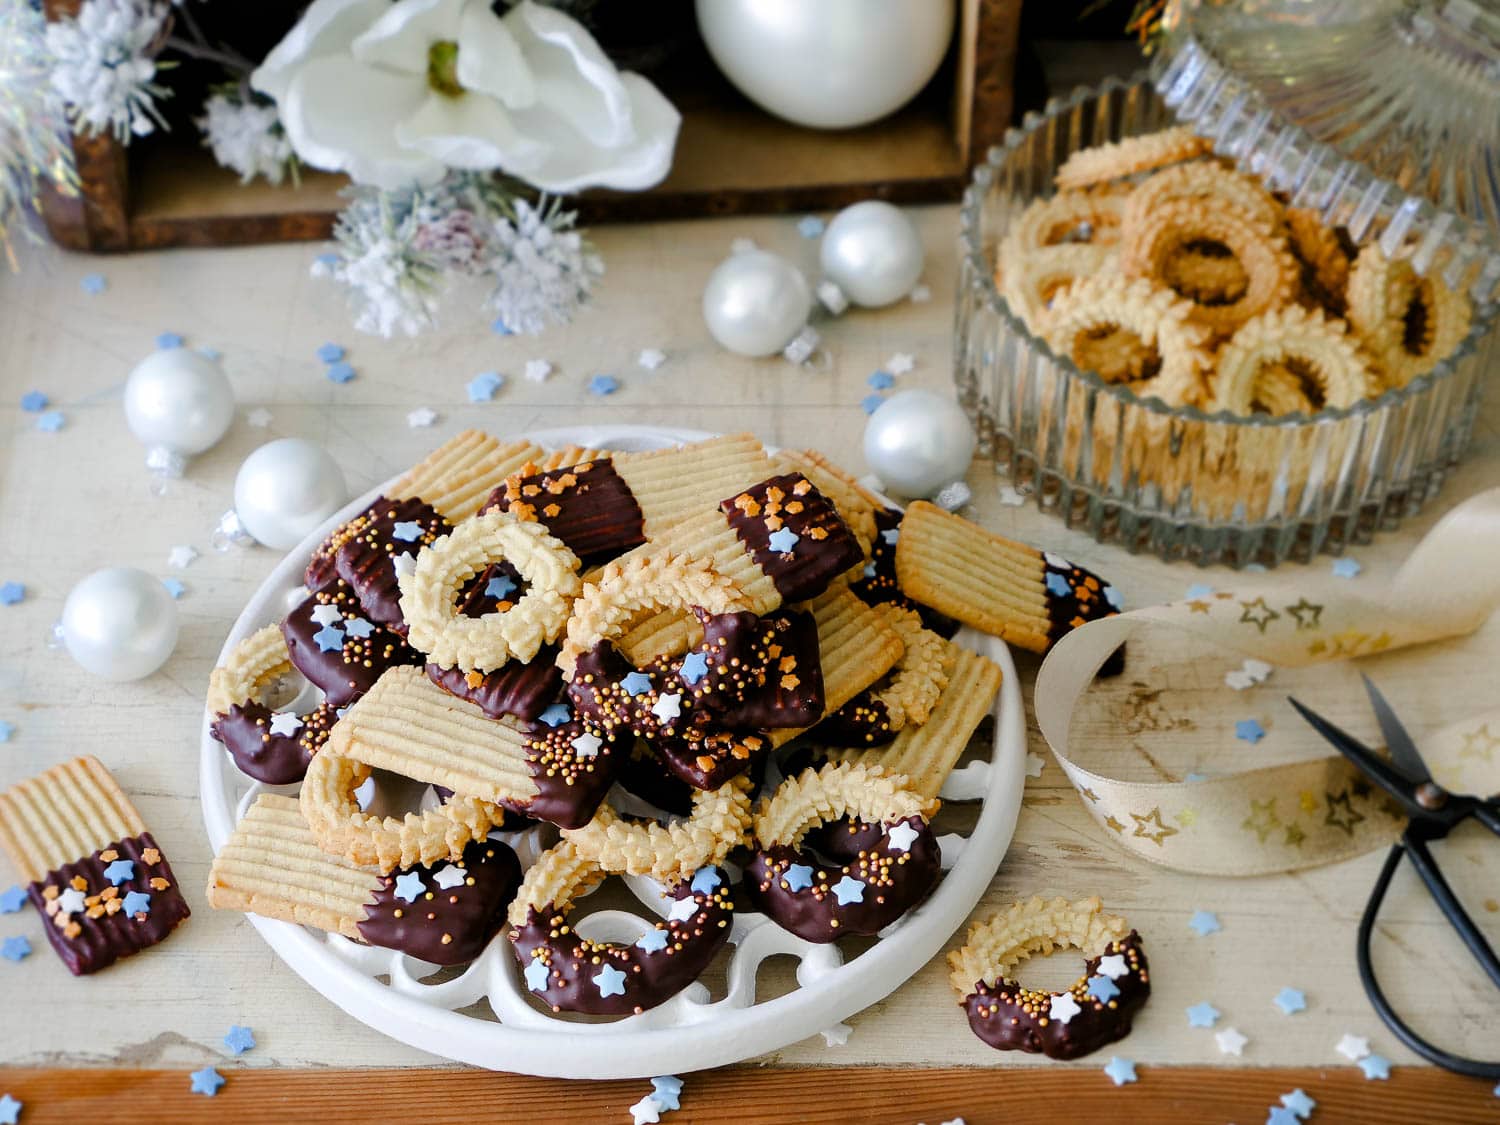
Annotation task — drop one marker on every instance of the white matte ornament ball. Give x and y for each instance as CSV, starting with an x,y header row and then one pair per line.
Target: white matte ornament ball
x,y
828,64
756,303
917,442
119,623
179,400
873,252
286,489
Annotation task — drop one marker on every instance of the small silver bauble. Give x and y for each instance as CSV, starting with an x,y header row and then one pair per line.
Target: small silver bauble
x,y
285,490
756,303
873,252
917,442
178,402
119,623
830,64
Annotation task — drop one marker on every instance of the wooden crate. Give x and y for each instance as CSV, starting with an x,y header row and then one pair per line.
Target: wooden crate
x,y
731,158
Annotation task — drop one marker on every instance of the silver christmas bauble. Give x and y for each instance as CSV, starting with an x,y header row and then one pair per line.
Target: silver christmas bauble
x,y
756,303
873,252
917,442
285,490
119,623
178,402
829,64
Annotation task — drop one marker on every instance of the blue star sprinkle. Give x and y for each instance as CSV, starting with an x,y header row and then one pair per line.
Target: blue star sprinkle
x,y
666,1090
52,421
556,715
1376,1066
330,353
168,340
358,627
137,902
207,1081
809,226
1115,599
93,284
174,587
636,683
783,541
653,940
1205,922
409,887
881,381
408,531
34,402
210,353
1290,1001
798,877
891,535
12,899
1194,775
705,880
611,981
339,372
500,328
1198,591
6,730
10,1110
1346,568
11,593
1249,730
848,890
871,403
1299,1103
1102,989
1120,1070
536,976
238,1040
694,667
603,385
120,871
1280,1115
329,639
500,587
1058,586
483,386
1202,1015
15,949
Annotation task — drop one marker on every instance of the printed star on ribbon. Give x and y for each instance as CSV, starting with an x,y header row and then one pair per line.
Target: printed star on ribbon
x,y
1305,613
1258,613
285,723
848,890
1344,820
1063,1008
611,981
1262,818
1150,826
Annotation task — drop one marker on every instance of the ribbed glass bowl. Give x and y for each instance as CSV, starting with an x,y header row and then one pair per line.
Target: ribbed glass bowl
x,y
1174,481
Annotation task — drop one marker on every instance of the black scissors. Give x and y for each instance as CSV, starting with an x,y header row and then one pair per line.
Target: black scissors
x,y
1433,812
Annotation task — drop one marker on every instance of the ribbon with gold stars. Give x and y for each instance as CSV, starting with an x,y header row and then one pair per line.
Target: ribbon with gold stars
x,y
1285,817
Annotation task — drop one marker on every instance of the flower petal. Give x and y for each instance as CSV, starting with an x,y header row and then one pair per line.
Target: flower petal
x,y
401,38
574,78
326,28
341,116
472,131
489,58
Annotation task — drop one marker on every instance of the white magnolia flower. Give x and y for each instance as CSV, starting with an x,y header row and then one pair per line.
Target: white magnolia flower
x,y
103,69
543,268
246,138
394,94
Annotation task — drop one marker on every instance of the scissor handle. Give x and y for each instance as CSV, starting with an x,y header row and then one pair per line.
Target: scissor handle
x,y
1436,1055
1488,814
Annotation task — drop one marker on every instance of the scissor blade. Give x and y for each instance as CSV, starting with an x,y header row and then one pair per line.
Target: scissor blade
x,y
1403,750
1376,768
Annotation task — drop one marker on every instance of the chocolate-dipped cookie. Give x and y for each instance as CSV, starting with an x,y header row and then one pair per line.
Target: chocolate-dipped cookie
x,y
340,651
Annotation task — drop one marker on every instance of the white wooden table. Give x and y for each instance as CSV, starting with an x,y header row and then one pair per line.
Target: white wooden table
x,y
78,499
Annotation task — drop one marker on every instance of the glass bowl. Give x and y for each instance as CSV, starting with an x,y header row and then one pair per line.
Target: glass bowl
x,y
1177,482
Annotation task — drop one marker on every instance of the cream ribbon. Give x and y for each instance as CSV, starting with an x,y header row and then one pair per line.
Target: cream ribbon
x,y
1280,818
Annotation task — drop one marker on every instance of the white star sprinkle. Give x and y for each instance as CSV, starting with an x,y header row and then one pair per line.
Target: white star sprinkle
x,y
742,246
71,901
647,1111
667,707
1230,1042
260,418
326,613
921,294
1012,497
405,564
683,909
651,358
421,416
1113,966
537,370
587,745
448,876
181,557
1353,1047
285,723
1063,1008
1258,670
1239,679
900,363
1034,764
902,837
837,1035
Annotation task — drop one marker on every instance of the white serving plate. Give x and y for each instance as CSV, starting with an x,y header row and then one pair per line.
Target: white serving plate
x,y
483,1015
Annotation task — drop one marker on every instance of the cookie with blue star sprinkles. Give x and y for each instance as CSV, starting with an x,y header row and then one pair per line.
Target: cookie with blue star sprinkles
x,y
340,651
372,550
908,694
569,972
94,872
1094,1011
270,745
876,582
822,902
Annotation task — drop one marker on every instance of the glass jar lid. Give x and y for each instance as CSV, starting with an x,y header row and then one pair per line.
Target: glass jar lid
x,y
1384,115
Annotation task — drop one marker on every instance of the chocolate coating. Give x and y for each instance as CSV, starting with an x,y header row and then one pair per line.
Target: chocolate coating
x,y
878,585
588,506
363,553
447,926
276,759
102,932
577,977
643,774
893,882
1001,1018
345,673
844,839
825,547
523,690
709,760
570,785
863,721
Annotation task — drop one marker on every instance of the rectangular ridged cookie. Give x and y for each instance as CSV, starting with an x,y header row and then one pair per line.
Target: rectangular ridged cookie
x,y
855,504
456,477
1023,595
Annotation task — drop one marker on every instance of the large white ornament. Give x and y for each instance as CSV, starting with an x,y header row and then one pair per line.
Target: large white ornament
x,y
830,64
917,442
756,303
119,623
285,490
873,252
178,402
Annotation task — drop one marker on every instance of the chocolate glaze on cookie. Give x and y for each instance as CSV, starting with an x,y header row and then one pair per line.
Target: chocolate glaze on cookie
x,y
644,775
844,839
343,658
588,506
617,979
445,924
363,553
1011,1018
863,721
878,585
101,931
258,752
822,903
1075,597
822,546
573,769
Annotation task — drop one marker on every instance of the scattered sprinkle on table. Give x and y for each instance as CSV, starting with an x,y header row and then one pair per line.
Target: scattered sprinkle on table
x,y
1280,1115
1230,1041
1194,775
1249,730
810,226
210,353
93,284
741,245
651,358
168,340
881,380
602,385
1120,1070
34,402
15,949
421,416
1376,1066
1290,1001
1198,591
1298,1102
52,421
339,372
1202,1015
1011,496
838,1034
1205,922
181,556
901,363
330,353
174,587
483,386
538,370
921,294
667,1091
871,403
1346,568
6,730
11,593
500,328
1353,1047
12,899
10,1110
207,1081
239,1039
1250,673
260,418
952,497
1034,764
646,1111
